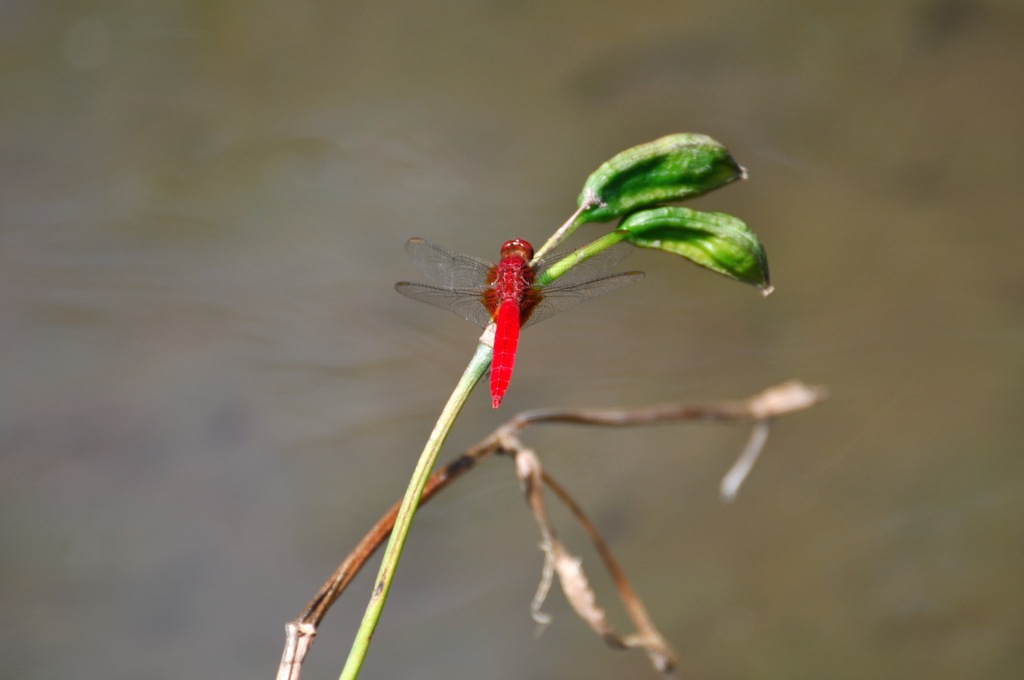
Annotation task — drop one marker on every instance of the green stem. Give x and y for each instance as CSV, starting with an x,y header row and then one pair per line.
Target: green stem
x,y
474,371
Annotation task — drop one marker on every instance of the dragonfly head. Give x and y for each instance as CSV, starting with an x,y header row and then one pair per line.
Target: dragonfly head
x,y
517,247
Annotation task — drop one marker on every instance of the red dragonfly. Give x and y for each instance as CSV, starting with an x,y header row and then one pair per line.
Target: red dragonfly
x,y
505,293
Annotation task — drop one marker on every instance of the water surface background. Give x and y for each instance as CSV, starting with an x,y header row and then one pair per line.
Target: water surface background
x,y
210,389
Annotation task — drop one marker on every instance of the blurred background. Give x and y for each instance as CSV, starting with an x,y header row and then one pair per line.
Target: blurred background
x,y
210,389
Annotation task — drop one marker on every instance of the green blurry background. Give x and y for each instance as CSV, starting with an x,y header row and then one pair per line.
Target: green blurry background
x,y
210,389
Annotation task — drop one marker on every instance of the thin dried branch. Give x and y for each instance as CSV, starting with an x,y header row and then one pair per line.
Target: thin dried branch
x,y
736,475
773,402
574,581
649,638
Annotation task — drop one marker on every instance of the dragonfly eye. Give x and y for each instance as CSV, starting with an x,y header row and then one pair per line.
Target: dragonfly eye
x,y
517,247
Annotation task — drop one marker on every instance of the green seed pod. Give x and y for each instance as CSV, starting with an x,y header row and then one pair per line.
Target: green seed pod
x,y
716,241
672,168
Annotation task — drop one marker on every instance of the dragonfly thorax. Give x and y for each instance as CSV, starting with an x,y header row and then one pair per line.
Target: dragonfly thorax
x,y
511,280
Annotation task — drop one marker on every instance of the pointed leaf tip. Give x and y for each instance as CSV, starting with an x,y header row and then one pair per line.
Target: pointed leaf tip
x,y
669,169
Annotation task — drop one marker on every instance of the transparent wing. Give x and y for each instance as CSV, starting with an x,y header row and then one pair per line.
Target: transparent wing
x,y
587,270
465,302
556,298
583,281
445,268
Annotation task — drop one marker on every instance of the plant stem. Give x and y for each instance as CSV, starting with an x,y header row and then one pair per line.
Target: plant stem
x,y
474,371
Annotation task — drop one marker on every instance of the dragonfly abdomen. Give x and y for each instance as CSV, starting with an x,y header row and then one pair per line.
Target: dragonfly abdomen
x,y
506,341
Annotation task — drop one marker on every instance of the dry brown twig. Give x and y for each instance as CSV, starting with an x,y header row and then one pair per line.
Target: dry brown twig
x,y
760,408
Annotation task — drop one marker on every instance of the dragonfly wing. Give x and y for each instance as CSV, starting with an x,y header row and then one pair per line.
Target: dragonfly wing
x,y
464,302
558,298
445,268
589,269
